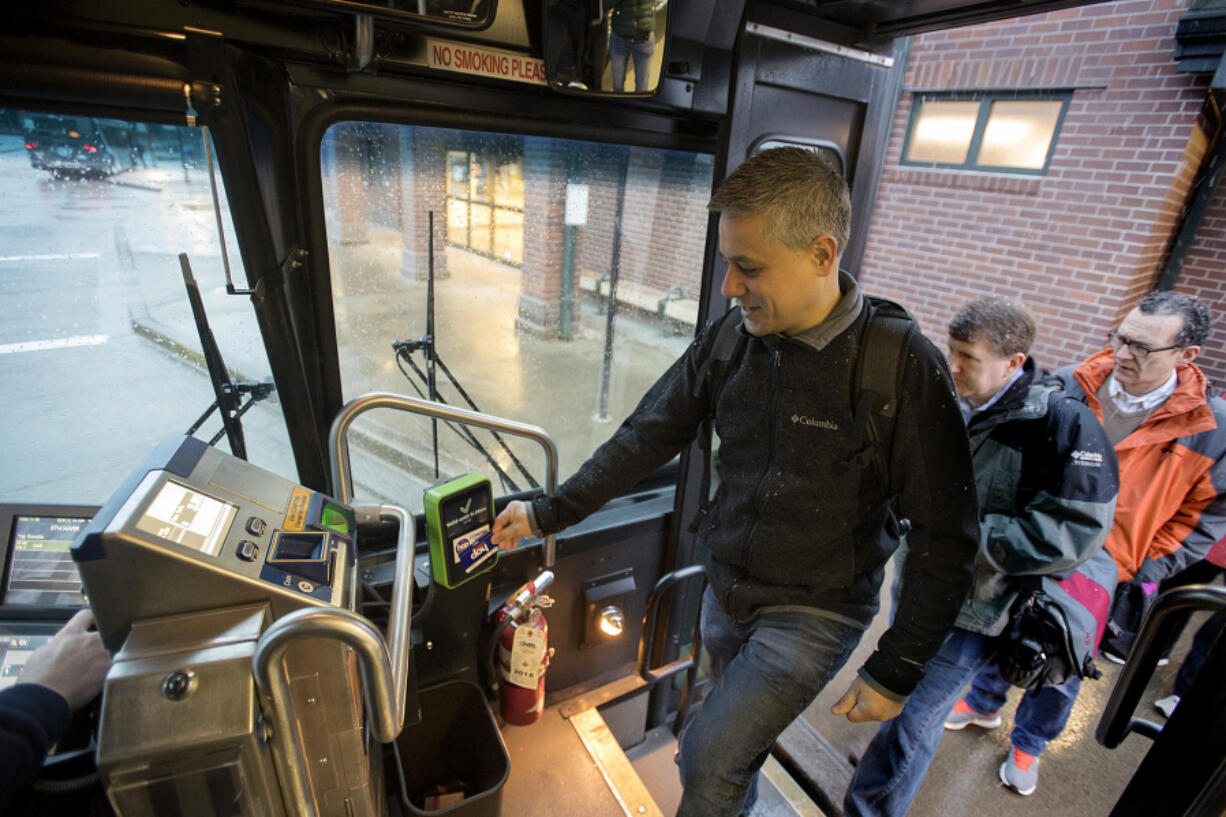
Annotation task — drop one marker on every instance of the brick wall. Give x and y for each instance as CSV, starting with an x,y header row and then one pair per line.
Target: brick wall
x,y
1204,275
1082,243
665,221
544,212
663,225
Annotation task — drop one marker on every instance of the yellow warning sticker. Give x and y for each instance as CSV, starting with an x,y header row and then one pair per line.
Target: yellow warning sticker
x,y
295,514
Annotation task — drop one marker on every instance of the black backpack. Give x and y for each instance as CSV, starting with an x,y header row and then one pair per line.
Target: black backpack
x,y
885,338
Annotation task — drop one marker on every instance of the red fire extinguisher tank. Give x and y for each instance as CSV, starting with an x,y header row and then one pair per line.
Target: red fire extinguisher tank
x,y
523,656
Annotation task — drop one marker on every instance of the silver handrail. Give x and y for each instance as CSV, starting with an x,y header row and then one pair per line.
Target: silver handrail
x,y
386,712
400,616
342,477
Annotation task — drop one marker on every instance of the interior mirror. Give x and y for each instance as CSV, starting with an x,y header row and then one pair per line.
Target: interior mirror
x,y
605,46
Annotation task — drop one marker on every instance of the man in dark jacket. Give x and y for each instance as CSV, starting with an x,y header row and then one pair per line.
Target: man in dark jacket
x,y
60,676
1047,479
795,531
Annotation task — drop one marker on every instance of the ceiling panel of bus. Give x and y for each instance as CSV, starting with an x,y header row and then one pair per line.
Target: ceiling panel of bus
x,y
896,18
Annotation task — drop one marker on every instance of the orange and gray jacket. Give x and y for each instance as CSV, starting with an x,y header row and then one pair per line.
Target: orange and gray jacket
x,y
1172,501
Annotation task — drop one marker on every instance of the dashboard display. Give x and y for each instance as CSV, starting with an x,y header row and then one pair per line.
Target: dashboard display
x,y
15,650
42,571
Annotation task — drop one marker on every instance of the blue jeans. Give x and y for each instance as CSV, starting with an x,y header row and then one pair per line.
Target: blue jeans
x,y
1202,643
1041,714
893,766
621,50
765,673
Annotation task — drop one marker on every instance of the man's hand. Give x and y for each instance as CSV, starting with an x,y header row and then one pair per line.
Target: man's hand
x,y
73,663
863,703
511,524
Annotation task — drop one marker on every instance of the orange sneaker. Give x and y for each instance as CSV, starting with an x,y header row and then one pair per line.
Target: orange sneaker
x,y
962,716
1020,772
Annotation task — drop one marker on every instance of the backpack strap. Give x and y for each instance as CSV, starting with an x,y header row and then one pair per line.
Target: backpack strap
x,y
729,341
878,380
727,347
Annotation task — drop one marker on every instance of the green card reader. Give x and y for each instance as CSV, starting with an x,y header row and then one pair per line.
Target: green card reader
x,y
459,521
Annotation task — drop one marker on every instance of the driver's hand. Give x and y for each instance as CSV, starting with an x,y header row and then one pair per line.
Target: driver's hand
x,y
863,703
73,663
511,524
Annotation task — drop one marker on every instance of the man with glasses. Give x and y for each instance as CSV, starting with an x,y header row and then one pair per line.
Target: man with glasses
x,y
1169,434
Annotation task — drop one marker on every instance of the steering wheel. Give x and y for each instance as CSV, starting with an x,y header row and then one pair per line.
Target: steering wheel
x,y
72,765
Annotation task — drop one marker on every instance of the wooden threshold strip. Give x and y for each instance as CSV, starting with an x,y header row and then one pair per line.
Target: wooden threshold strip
x,y
623,781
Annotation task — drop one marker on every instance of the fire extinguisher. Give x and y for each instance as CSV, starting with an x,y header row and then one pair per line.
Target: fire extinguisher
x,y
521,644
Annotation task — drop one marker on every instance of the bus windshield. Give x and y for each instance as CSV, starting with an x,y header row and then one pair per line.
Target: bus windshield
x,y
98,346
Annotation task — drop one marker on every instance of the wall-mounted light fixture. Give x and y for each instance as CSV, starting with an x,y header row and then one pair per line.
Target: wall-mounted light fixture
x,y
612,621
609,602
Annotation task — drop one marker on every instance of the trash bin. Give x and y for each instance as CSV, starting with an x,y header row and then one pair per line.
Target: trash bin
x,y
453,762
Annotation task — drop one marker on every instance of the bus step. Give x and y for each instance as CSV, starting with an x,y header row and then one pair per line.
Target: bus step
x,y
778,794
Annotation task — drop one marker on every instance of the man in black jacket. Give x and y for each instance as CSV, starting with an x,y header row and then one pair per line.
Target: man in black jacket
x,y
796,531
60,676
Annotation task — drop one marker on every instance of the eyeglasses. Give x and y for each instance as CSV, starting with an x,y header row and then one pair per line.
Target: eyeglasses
x,y
1139,350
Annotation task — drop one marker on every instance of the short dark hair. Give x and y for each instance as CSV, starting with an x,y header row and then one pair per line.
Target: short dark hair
x,y
1004,323
801,191
1196,319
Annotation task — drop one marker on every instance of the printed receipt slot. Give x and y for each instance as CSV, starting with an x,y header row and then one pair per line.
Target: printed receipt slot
x,y
204,571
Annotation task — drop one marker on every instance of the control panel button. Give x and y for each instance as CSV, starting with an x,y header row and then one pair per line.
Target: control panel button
x,y
256,526
247,550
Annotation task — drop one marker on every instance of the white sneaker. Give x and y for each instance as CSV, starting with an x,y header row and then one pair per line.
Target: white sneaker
x,y
1167,705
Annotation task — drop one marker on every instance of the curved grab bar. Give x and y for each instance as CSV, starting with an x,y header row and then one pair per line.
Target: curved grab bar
x,y
1117,720
342,477
648,637
351,629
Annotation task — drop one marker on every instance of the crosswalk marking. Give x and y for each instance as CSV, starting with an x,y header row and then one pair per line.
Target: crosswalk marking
x,y
66,256
53,343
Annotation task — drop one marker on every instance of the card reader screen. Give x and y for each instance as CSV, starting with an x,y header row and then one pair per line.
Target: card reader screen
x,y
42,571
188,518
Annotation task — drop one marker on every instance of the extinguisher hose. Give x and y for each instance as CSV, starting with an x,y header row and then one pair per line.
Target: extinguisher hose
x,y
493,677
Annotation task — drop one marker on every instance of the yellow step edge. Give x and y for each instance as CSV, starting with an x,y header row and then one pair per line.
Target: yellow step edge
x,y
623,781
792,793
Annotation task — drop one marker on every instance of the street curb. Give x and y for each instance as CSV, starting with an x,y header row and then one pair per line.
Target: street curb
x,y
177,349
136,183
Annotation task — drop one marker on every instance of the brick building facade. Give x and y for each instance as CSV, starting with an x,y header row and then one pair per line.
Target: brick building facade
x,y
1084,241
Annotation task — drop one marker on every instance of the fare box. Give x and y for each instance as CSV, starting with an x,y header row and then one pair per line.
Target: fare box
x,y
459,522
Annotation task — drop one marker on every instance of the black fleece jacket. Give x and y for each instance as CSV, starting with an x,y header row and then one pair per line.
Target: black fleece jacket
x,y
794,521
32,718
